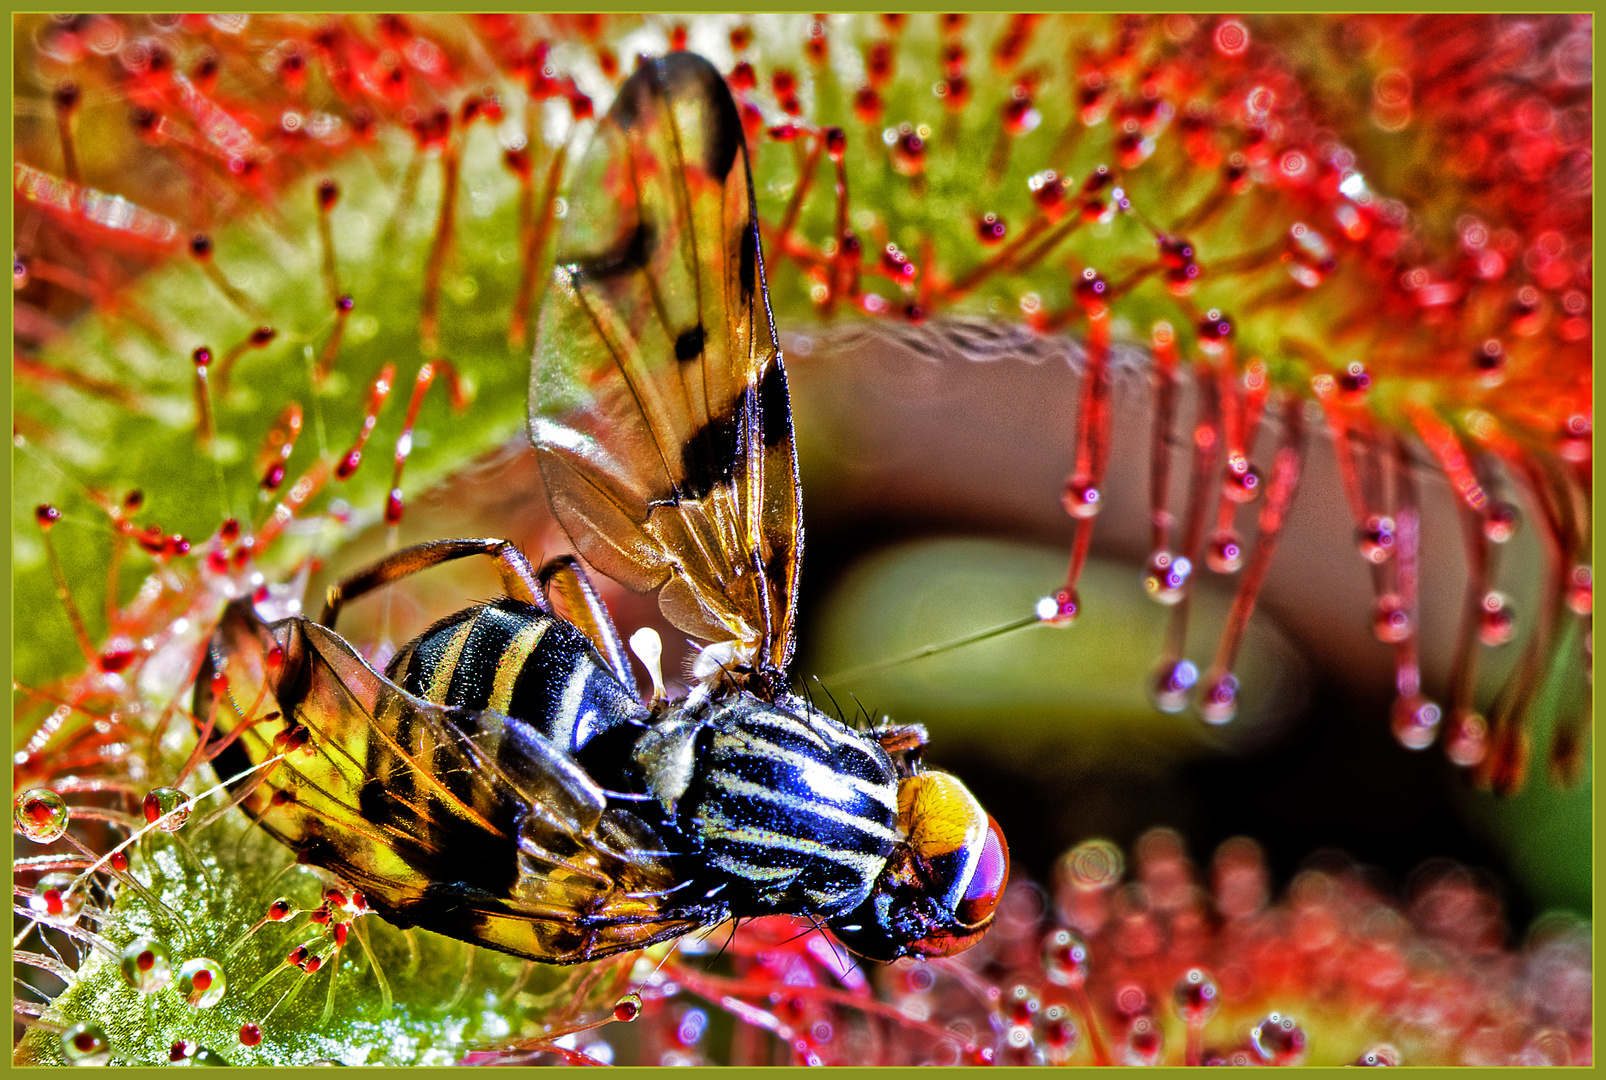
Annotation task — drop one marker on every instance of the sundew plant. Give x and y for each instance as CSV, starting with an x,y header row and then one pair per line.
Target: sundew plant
x,y
1195,424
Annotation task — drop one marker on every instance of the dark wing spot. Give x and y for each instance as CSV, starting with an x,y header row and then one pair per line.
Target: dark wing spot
x,y
687,75
631,255
708,458
689,345
635,96
775,570
681,76
775,405
724,135
749,268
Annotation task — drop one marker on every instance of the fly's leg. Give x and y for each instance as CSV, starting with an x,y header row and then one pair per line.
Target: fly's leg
x,y
584,608
518,577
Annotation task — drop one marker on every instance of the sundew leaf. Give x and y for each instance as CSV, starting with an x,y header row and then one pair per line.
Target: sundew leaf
x,y
72,438
77,442
445,995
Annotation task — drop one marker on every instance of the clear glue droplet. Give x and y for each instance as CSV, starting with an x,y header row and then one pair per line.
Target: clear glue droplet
x,y
1379,1055
1145,1042
1500,522
145,965
1081,498
1065,958
1415,721
1171,685
1197,997
55,901
1165,577
1242,482
202,982
167,808
1495,622
1466,742
41,815
1061,609
1375,539
1279,1040
1581,590
1391,623
86,1044
1218,702
1225,552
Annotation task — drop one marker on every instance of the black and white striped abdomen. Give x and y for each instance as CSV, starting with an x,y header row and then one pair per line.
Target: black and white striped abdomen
x,y
798,812
521,662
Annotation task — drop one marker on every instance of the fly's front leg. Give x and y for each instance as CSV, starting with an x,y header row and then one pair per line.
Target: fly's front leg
x,y
582,606
518,577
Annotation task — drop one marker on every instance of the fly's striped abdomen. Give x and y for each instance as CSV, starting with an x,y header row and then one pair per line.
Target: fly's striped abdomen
x,y
519,661
799,813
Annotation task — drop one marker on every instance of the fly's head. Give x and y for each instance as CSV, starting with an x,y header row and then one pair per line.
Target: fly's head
x,y
941,885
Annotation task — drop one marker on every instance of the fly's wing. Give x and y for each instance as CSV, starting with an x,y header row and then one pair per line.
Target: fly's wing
x,y
467,823
658,403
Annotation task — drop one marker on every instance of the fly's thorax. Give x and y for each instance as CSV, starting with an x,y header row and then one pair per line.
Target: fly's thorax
x,y
793,809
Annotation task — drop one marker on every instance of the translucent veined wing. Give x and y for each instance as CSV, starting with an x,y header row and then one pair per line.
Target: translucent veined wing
x,y
467,823
658,402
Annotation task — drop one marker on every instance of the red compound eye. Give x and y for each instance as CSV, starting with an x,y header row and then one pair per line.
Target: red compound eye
x,y
987,883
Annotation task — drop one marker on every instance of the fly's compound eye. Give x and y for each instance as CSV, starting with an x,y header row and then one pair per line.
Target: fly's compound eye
x,y
987,881
941,887
957,846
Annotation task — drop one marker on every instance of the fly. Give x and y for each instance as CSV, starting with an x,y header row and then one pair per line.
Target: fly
x,y
502,781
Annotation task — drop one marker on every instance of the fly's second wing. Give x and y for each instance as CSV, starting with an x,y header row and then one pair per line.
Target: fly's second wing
x,y
658,404
466,823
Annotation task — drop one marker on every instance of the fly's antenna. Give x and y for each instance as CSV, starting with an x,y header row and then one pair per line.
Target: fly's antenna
x,y
947,646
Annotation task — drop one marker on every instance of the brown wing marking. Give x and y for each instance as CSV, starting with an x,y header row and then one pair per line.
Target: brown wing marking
x,y
467,823
659,408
